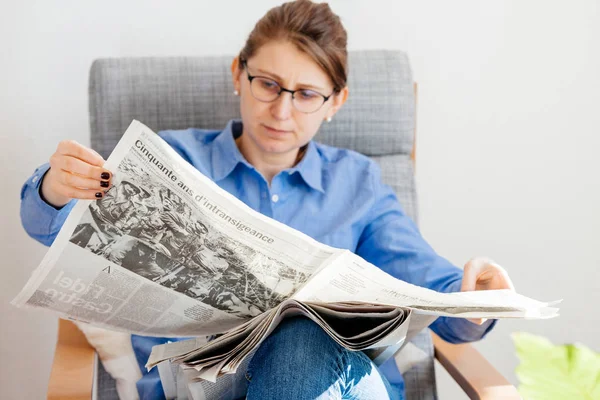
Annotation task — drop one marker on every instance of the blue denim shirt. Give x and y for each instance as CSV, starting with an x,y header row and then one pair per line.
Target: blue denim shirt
x,y
334,195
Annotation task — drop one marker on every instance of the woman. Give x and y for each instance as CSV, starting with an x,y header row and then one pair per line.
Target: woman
x,y
291,77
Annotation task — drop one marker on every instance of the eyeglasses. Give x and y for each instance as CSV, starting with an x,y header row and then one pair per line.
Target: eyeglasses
x,y
267,90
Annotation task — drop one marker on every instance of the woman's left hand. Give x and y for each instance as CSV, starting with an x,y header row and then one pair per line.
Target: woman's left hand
x,y
484,274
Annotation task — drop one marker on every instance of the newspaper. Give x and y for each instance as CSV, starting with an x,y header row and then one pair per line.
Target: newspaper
x,y
167,252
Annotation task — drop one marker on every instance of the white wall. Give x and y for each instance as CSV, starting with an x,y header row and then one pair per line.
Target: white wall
x,y
508,128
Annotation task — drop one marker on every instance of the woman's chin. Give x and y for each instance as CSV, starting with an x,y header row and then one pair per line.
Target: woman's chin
x,y
276,146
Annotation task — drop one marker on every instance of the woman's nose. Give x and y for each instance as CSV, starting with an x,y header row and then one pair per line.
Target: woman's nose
x,y
282,107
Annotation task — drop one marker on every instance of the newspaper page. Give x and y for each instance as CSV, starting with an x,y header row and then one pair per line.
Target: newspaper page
x,y
167,252
350,278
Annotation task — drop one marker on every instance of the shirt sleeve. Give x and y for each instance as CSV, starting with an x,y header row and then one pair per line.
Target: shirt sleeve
x,y
391,241
41,220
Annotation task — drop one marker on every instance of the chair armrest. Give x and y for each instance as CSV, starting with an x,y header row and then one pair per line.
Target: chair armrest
x,y
474,374
72,374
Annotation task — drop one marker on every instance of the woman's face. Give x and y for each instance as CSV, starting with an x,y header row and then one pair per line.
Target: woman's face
x,y
277,127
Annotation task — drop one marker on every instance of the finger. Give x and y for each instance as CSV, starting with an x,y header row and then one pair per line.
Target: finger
x,y
82,182
77,193
506,282
73,149
471,271
493,276
79,167
484,273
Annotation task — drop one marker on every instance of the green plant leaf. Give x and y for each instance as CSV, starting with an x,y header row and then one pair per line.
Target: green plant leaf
x,y
549,372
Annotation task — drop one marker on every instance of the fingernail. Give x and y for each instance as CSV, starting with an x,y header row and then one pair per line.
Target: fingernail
x,y
103,183
105,175
99,195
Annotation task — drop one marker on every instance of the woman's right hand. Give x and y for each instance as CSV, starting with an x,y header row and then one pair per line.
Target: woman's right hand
x,y
76,172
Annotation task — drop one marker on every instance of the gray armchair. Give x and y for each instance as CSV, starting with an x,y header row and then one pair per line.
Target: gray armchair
x,y
176,93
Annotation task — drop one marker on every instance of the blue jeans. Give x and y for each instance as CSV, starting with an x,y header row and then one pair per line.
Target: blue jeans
x,y
300,361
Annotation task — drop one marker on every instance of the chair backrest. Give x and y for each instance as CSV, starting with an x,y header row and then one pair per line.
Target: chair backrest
x,y
378,120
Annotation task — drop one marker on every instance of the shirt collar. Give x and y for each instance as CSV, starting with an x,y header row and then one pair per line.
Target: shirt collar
x,y
310,167
225,156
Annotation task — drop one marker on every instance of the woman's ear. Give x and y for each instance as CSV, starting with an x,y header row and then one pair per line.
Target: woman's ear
x,y
338,101
235,74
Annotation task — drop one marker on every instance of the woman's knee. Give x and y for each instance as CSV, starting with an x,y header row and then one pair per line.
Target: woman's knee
x,y
299,336
296,342
293,329
298,358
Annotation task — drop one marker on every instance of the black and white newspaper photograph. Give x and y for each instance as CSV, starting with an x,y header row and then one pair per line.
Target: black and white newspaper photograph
x,y
151,231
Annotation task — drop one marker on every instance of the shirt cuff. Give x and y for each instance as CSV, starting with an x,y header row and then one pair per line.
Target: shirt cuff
x,y
460,330
41,220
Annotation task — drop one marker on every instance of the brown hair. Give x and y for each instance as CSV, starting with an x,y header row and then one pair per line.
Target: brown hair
x,y
313,28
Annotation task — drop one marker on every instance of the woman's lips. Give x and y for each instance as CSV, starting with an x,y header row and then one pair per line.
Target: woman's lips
x,y
275,131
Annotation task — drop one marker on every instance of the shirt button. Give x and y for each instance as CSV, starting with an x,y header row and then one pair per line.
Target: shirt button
x,y
35,179
275,198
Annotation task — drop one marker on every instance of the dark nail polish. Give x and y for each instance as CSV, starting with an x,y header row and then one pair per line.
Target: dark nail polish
x,y
105,175
104,184
99,195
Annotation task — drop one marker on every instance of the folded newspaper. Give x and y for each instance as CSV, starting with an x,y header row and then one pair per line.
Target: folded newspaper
x,y
168,253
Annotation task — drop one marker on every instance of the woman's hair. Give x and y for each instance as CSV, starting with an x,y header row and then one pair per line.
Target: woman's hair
x,y
313,28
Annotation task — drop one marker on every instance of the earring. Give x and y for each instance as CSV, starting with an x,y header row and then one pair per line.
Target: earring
x,y
328,119
236,93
